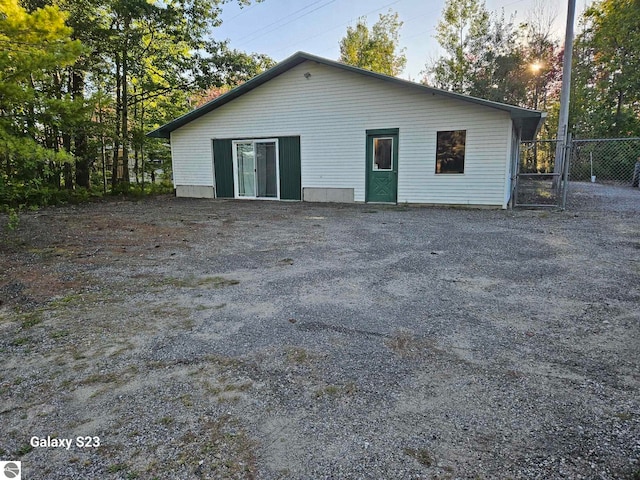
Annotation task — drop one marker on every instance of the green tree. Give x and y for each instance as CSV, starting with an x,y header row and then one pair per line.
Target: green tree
x,y
374,49
606,97
494,67
163,49
36,47
488,56
140,56
460,32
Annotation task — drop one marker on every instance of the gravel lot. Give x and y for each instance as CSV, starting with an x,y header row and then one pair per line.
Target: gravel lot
x,y
230,339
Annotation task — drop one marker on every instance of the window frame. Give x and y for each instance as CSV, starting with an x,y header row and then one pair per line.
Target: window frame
x,y
464,154
373,156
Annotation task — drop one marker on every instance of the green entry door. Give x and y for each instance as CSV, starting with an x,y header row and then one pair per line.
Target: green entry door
x,y
382,166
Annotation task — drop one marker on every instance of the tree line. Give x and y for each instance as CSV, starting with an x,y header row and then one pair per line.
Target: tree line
x,y
489,56
82,82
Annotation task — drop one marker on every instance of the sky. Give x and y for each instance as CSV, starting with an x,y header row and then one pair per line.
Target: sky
x,y
279,28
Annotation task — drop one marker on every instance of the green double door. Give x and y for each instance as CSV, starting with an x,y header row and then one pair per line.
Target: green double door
x,y
382,166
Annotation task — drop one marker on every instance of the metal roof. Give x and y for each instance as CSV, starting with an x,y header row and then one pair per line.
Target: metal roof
x,y
526,119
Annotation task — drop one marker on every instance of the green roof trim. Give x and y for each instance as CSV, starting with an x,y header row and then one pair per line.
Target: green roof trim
x,y
529,121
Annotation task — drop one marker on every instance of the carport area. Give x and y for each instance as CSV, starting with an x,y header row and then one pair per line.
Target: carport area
x,y
246,339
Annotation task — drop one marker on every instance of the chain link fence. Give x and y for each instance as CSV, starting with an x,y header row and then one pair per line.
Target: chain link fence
x,y
609,161
606,161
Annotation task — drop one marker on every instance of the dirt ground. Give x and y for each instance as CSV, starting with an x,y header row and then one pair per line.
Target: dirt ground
x,y
228,339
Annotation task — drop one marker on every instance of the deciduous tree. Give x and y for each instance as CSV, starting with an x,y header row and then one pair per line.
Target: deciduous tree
x,y
375,49
606,98
35,47
460,32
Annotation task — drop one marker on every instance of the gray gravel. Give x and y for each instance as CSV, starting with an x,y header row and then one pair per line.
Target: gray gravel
x,y
230,339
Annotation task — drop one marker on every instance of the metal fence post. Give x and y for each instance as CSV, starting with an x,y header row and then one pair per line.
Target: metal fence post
x,y
565,170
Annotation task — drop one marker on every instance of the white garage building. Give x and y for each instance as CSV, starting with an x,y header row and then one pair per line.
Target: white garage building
x,y
316,130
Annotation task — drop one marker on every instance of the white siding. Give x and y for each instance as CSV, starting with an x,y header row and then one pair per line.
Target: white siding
x,y
192,157
331,112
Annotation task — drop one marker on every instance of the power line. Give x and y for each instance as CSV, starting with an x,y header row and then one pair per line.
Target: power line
x,y
242,12
253,37
325,31
512,3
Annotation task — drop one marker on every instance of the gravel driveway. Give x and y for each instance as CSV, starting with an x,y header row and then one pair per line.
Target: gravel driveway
x,y
237,339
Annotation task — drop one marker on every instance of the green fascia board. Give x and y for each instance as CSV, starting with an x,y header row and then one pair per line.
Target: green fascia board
x,y
529,121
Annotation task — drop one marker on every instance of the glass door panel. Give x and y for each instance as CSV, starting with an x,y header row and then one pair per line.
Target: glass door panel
x,y
266,172
383,153
246,170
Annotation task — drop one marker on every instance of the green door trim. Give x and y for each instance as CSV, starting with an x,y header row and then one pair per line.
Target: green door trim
x,y
383,131
392,174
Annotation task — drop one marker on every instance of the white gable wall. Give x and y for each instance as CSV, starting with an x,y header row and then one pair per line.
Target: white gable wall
x,y
331,112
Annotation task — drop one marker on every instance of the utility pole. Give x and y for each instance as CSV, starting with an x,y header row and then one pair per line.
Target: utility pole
x,y
563,121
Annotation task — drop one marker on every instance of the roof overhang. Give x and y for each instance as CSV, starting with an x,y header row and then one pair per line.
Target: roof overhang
x,y
529,126
528,121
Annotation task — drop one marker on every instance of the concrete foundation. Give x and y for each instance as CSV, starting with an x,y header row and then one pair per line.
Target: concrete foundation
x,y
340,195
195,191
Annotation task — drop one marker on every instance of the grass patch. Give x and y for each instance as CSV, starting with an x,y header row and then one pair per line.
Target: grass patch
x,y
223,361
624,416
193,282
100,378
59,334
422,455
18,342
188,324
24,449
48,252
297,355
166,420
401,342
31,319
405,344
222,388
217,282
328,390
228,450
336,390
117,467
76,354
167,309
70,299
238,387
81,299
